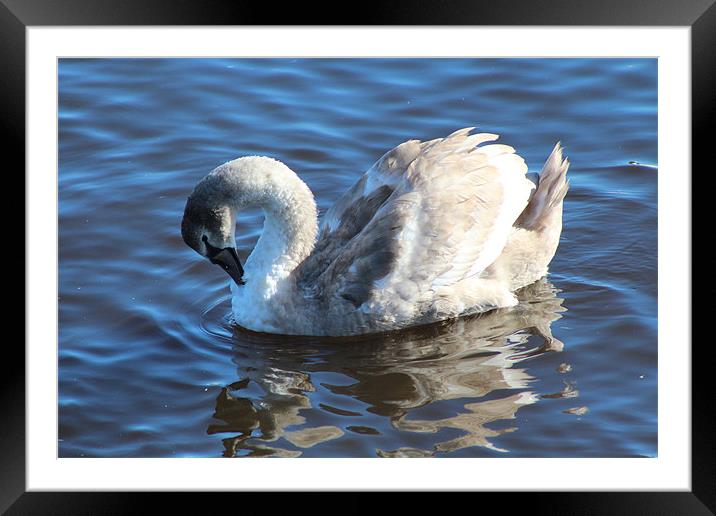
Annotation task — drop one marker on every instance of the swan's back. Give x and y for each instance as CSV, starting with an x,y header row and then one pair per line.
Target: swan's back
x,y
411,241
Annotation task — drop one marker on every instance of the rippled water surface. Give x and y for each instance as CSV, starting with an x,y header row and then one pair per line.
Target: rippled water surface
x,y
149,365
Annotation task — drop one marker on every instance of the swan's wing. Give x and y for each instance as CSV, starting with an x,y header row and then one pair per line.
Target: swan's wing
x,y
353,211
425,216
384,176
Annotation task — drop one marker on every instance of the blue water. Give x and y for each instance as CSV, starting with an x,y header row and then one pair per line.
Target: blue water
x,y
149,364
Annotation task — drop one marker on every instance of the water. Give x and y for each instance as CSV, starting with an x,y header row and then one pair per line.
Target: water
x,y
149,365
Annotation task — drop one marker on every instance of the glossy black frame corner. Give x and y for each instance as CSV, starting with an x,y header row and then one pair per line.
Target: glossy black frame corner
x,y
16,15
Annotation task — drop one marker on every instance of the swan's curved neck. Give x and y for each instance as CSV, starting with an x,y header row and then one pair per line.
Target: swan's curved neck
x,y
290,218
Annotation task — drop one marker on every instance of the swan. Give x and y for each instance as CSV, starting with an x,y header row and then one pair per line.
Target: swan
x,y
433,230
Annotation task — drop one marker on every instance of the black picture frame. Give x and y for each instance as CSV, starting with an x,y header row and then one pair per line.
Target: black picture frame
x,y
17,15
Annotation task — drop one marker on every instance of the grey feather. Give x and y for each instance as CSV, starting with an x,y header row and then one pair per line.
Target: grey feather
x,y
552,186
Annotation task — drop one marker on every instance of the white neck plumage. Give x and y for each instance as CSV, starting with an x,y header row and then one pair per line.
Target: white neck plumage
x,y
290,223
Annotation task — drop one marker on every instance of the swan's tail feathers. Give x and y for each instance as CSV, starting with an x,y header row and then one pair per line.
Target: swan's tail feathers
x,y
546,200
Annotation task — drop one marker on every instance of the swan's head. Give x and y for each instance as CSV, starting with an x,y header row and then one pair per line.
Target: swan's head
x,y
208,228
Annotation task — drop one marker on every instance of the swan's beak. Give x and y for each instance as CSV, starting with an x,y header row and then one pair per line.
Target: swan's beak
x,y
228,260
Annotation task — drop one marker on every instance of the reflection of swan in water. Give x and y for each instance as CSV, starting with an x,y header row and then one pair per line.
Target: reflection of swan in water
x,y
389,376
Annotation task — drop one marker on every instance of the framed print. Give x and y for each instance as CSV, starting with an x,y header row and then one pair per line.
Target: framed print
x,y
454,253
